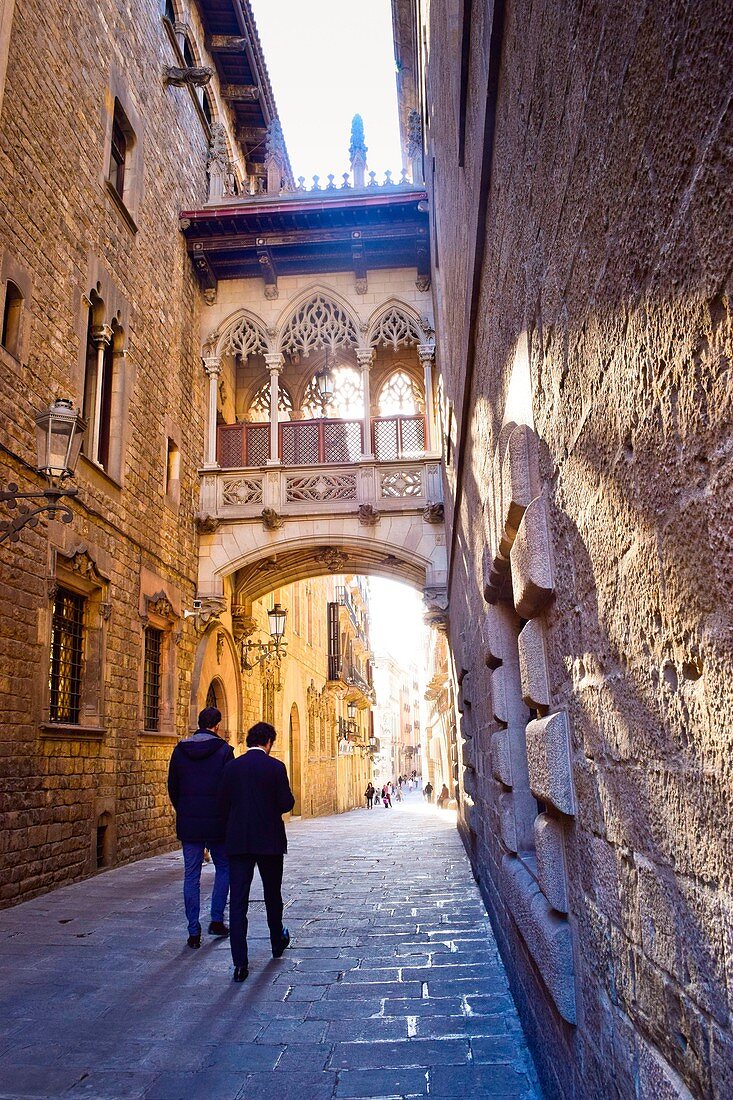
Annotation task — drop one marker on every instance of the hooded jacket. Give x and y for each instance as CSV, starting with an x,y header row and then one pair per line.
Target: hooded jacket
x,y
193,786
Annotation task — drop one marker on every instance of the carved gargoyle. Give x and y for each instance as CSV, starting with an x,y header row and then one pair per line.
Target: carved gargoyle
x,y
368,515
271,521
192,76
434,513
206,525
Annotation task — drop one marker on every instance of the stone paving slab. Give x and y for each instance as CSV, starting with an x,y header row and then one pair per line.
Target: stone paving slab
x,y
392,988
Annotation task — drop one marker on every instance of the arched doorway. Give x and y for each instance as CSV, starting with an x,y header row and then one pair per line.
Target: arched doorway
x,y
216,697
295,757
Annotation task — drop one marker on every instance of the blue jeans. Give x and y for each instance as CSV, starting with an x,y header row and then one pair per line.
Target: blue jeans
x,y
193,858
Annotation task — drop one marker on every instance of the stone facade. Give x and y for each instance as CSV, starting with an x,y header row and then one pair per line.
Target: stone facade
x,y
582,242
96,256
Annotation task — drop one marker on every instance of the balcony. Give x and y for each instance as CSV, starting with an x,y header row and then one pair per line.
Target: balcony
x,y
321,442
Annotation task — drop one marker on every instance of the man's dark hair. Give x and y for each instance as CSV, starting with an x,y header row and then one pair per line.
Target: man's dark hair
x,y
209,717
260,734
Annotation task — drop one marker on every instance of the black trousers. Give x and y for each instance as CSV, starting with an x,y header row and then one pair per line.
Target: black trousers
x,y
241,873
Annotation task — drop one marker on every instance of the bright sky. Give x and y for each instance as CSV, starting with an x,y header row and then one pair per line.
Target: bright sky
x,y
329,60
397,625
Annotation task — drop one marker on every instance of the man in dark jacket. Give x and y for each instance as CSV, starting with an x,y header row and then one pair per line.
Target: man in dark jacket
x,y
255,793
194,775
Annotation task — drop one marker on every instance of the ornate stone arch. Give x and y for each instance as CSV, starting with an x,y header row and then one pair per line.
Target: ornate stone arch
x,y
242,333
397,325
319,319
261,387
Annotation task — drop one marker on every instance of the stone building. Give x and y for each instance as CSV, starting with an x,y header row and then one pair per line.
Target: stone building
x,y
578,165
397,717
439,745
106,133
305,691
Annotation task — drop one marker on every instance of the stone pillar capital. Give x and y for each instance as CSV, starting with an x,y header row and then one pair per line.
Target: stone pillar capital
x,y
212,365
275,361
102,335
365,357
426,353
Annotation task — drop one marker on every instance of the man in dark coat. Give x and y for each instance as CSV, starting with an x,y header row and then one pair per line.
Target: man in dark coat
x,y
194,775
255,793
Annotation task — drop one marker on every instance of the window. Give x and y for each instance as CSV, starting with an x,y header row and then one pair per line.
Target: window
x,y
172,471
120,173
211,700
170,13
67,650
10,339
188,54
98,391
400,394
152,668
118,152
206,105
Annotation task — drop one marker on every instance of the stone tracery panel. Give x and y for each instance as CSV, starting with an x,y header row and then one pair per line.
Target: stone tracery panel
x,y
319,323
244,338
395,328
260,403
400,393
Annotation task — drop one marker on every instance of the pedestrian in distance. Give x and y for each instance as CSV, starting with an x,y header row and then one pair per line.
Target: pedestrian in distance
x,y
386,797
255,793
443,797
194,774
428,791
369,795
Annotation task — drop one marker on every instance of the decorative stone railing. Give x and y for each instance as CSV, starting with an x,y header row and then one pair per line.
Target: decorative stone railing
x,y
369,488
257,189
321,442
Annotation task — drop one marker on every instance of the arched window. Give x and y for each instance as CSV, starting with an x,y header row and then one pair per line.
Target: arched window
x,y
259,406
12,310
211,696
170,13
347,401
400,395
103,348
188,56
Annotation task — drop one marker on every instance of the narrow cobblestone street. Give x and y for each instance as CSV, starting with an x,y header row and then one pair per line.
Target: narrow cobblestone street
x,y
393,986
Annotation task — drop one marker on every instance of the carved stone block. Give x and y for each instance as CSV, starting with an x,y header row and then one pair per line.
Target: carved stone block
x,y
550,848
547,935
508,822
533,575
496,637
501,761
520,478
548,759
498,695
533,665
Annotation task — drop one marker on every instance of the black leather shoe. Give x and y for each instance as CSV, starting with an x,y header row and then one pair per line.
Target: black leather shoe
x,y
194,941
218,928
241,973
279,947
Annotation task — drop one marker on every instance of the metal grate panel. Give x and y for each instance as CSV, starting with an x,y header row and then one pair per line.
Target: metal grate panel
x,y
342,441
230,438
67,644
152,667
300,443
257,444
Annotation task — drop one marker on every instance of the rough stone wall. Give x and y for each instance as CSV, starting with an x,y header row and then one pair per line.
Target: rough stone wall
x,y
602,321
61,233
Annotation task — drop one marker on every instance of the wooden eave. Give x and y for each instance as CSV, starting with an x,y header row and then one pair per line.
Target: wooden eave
x,y
309,234
243,69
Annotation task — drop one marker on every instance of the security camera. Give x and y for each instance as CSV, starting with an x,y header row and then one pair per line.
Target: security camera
x,y
198,604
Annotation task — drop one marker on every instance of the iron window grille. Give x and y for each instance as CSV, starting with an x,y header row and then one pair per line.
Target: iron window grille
x,y
151,678
67,651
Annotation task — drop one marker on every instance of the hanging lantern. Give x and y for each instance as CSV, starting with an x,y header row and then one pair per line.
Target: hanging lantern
x,y
59,433
276,617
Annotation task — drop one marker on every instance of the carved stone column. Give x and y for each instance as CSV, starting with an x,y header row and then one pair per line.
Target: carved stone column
x,y
365,358
274,365
212,366
102,337
426,352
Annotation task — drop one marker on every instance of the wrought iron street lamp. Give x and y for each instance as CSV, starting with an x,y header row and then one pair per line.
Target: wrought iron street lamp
x,y
253,653
325,383
351,709
59,433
